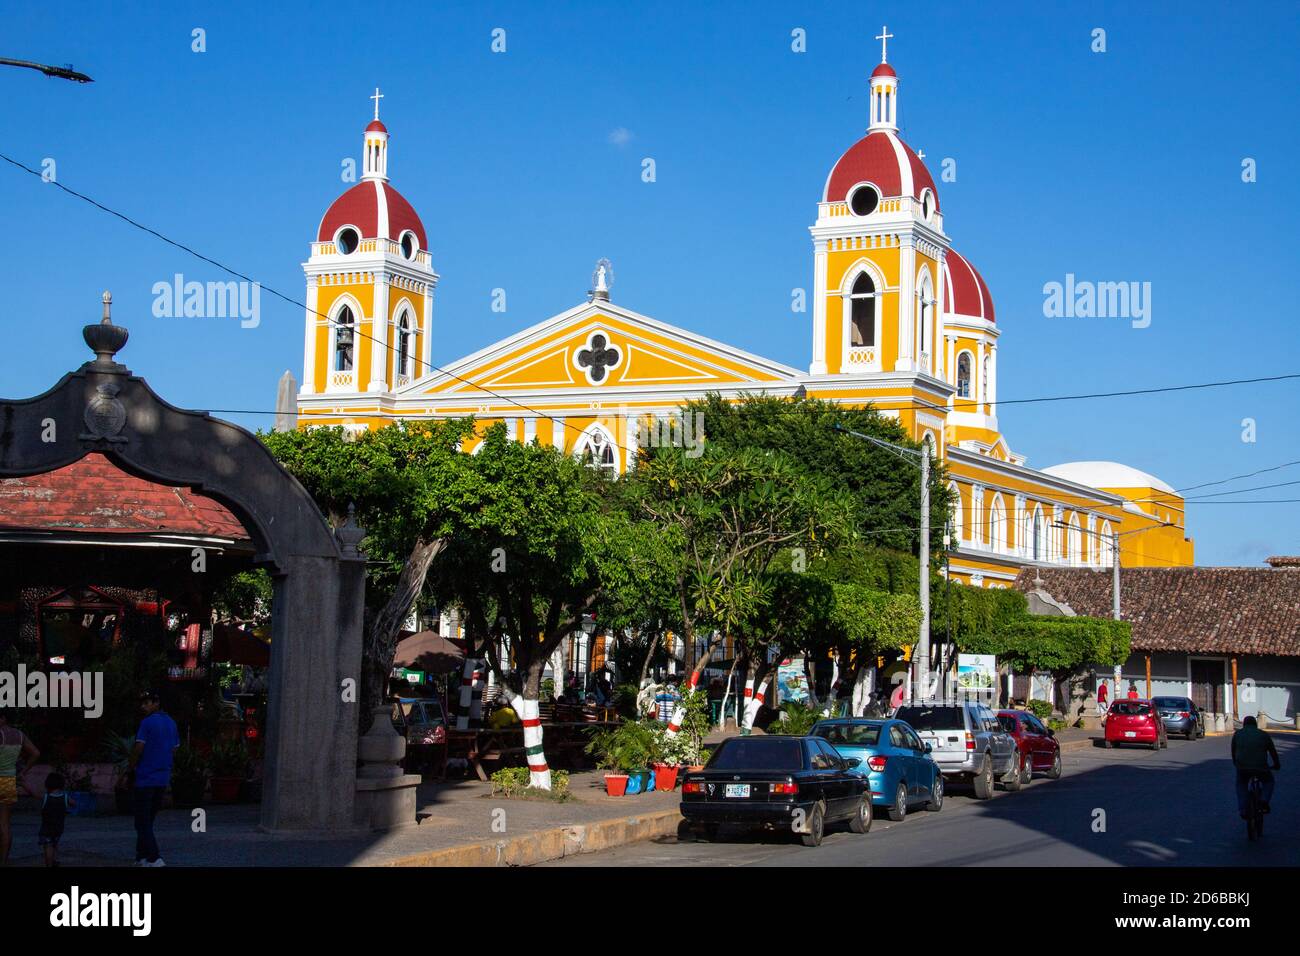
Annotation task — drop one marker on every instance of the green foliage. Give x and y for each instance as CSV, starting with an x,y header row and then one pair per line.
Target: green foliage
x,y
975,611
1055,724
514,782
630,747
189,768
1042,709
625,700
245,596
685,748
1056,644
230,759
796,719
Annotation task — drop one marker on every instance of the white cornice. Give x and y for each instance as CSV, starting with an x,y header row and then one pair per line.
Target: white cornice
x,y
1021,473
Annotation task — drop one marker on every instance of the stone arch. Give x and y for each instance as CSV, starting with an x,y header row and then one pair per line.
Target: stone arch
x,y
318,573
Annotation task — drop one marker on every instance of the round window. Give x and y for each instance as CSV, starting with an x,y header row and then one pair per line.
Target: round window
x,y
409,245
347,240
864,200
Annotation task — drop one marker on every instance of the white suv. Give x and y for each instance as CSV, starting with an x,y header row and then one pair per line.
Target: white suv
x,y
967,742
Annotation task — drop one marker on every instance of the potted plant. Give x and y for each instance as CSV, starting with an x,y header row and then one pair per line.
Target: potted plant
x,y
189,777
625,752
230,765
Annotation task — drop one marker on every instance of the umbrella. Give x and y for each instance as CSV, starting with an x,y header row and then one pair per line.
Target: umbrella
x,y
430,652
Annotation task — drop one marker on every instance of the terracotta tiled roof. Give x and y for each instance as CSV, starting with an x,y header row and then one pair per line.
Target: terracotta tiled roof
x,y
1192,610
94,495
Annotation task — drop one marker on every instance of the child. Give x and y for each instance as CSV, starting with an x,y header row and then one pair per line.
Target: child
x,y
54,810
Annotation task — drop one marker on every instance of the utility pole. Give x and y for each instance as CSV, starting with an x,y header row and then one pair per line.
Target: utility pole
x,y
921,659
921,655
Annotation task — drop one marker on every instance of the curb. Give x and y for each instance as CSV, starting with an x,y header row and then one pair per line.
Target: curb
x,y
554,844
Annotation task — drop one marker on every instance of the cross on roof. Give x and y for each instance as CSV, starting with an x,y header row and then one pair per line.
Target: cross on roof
x,y
377,97
885,37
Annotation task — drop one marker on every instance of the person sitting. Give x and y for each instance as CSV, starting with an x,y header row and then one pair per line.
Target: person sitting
x,y
1252,753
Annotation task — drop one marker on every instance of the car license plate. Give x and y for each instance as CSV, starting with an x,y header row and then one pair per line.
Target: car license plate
x,y
1130,733
737,790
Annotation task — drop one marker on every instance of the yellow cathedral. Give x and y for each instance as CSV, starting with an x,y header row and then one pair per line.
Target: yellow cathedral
x,y
901,320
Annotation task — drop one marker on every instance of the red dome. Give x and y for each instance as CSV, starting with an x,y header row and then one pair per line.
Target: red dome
x,y
884,70
377,127
375,208
885,160
966,292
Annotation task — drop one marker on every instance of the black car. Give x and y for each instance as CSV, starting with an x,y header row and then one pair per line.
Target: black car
x,y
1180,716
800,783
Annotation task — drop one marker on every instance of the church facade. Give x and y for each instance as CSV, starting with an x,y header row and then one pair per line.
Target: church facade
x,y
901,321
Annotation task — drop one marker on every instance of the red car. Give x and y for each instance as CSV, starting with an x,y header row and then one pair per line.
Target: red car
x,y
1039,749
1135,722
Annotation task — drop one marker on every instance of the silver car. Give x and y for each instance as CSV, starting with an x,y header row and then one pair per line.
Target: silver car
x,y
967,742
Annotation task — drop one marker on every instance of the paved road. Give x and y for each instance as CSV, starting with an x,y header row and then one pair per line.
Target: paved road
x,y
1175,807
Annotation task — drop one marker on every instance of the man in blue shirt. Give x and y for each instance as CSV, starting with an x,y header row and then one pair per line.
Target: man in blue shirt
x,y
151,759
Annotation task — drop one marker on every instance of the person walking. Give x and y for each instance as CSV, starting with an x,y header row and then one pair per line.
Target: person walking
x,y
151,760
54,813
1102,694
17,753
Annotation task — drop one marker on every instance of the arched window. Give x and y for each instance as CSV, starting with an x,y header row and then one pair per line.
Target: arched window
x,y
1107,544
601,448
963,375
1039,535
343,340
862,329
404,345
1073,542
998,525
925,318
955,515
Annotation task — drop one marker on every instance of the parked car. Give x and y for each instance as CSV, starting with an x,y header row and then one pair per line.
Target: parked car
x,y
1135,722
895,761
1180,715
1040,751
967,743
776,781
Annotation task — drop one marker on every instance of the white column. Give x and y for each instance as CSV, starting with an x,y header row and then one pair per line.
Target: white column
x,y
993,376
629,440
559,439
530,429
309,342
818,366
906,303
940,339
379,359
977,375
426,342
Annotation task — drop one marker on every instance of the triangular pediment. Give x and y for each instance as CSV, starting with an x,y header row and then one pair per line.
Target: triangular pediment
x,y
600,346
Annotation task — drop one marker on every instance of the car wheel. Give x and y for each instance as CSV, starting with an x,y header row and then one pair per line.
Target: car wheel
x,y
1108,744
1027,769
898,812
1164,743
860,822
984,779
936,794
1155,744
816,826
1055,772
1191,734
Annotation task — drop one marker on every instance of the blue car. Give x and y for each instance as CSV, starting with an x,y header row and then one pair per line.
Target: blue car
x,y
894,760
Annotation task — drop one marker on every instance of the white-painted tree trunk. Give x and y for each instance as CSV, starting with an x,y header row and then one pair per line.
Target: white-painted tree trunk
x,y
754,700
862,689
679,712
471,694
539,774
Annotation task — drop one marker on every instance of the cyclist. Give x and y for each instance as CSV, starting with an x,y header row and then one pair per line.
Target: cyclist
x,y
1252,752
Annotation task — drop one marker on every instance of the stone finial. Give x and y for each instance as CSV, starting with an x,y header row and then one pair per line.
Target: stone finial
x,y
350,535
105,339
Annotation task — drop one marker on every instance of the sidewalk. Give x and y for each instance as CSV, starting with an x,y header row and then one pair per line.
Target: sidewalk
x,y
456,829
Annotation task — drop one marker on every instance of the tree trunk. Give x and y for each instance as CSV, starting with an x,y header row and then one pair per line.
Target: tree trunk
x,y
679,712
754,698
526,706
380,644
649,656
861,690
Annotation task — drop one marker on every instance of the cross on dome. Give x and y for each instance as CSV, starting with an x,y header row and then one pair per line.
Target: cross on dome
x,y
884,37
377,97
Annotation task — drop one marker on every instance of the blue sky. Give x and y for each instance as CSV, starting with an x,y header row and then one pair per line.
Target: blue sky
x,y
1115,166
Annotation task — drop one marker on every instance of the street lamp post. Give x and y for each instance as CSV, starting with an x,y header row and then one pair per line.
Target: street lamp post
x,y
60,72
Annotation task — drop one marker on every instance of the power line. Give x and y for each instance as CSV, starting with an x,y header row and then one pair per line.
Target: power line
x,y
1250,474
1241,491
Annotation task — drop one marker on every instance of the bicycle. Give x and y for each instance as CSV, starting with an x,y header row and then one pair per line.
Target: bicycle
x,y
1254,807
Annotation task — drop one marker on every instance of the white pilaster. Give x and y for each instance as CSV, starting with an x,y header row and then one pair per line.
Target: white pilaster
x,y
530,429
818,366
380,360
309,342
906,302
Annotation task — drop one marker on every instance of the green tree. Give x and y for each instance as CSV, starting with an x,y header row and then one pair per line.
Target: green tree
x,y
404,481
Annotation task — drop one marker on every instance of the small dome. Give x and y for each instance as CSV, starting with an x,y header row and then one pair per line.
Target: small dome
x,y
377,209
884,70
965,291
1107,474
880,158
377,127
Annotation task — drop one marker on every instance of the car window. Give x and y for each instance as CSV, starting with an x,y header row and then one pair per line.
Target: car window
x,y
932,718
1130,708
862,735
823,756
1171,703
758,753
896,736
1008,723
912,741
